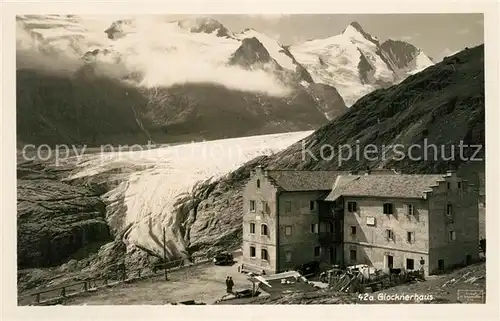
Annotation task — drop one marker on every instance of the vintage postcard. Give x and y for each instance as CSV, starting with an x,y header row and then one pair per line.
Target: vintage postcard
x,y
203,157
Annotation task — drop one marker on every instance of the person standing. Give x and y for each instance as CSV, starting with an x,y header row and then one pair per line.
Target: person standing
x,y
227,284
230,285
422,271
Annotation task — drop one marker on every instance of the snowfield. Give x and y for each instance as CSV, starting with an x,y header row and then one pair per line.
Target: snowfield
x,y
335,61
154,179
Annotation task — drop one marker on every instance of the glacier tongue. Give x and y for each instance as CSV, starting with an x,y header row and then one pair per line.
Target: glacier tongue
x,y
144,202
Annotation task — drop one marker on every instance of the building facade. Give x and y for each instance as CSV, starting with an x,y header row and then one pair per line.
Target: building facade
x,y
383,219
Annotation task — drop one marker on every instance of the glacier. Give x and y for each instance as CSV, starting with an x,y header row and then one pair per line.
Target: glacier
x,y
152,180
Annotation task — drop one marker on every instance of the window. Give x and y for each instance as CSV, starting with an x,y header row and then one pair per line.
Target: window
x,y
459,185
390,261
410,264
312,205
370,221
252,228
330,227
264,255
353,230
265,208
352,207
252,251
441,265
410,209
288,230
258,183
314,228
263,230
388,208
410,237
448,185
288,256
317,251
252,206
352,256
449,210
288,207
452,236
389,234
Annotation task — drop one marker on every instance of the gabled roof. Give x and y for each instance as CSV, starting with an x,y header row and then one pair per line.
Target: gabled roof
x,y
294,181
399,186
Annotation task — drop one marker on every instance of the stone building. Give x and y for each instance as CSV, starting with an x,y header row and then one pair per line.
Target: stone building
x,y
380,218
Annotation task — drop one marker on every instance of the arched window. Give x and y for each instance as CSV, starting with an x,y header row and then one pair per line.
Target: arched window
x,y
264,230
264,255
258,183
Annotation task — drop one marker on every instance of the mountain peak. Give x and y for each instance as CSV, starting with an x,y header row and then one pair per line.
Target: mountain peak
x,y
250,52
354,28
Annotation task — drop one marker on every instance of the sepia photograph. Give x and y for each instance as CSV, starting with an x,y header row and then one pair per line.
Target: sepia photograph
x,y
250,159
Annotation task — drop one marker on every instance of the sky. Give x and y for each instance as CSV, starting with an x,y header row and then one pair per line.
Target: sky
x,y
438,35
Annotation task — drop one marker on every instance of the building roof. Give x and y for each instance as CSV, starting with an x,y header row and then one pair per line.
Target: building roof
x,y
294,181
400,186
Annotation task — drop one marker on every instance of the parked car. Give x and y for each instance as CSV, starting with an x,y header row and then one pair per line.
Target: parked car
x,y
307,269
223,259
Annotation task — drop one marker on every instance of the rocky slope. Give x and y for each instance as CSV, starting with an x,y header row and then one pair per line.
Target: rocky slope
x,y
54,219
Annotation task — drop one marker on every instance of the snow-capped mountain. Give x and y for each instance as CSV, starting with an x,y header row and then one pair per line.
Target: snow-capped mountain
x,y
355,63
190,76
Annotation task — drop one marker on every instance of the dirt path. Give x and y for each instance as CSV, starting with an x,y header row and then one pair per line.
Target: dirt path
x,y
205,283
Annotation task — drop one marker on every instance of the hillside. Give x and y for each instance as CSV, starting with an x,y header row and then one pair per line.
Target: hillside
x,y
442,105
91,110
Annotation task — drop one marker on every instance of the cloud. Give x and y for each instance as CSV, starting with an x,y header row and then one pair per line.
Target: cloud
x,y
162,55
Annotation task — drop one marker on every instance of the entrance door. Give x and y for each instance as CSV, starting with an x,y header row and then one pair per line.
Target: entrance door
x,y
390,261
441,265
